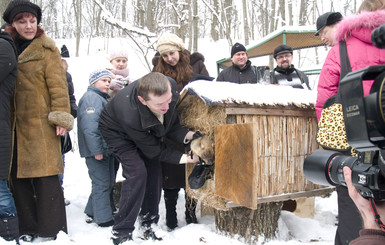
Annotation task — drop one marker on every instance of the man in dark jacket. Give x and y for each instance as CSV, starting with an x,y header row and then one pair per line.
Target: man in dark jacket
x,y
9,225
133,124
241,71
284,73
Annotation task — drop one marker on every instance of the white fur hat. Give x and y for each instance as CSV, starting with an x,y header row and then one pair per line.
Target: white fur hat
x,y
169,42
117,53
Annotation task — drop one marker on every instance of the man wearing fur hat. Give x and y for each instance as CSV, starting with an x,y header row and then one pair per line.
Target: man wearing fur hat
x,y
326,27
241,70
284,73
134,124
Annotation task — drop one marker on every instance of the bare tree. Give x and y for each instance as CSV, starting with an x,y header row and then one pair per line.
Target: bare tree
x,y
77,5
150,16
140,37
139,13
245,22
290,10
282,11
215,21
97,18
124,10
195,25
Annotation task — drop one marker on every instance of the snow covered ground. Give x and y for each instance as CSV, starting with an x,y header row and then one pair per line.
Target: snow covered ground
x,y
292,229
77,185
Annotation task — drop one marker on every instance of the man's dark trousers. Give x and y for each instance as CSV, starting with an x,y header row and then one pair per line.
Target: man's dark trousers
x,y
141,190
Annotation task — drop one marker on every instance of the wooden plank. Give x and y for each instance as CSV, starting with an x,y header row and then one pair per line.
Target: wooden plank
x,y
284,197
234,163
295,195
270,111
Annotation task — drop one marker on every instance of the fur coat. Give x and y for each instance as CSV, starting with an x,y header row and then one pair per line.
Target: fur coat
x,y
356,30
40,103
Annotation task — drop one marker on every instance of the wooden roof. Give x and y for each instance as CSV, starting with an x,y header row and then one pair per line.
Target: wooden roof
x,y
295,37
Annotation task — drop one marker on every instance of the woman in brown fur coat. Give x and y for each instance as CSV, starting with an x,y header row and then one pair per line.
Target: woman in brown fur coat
x,y
40,114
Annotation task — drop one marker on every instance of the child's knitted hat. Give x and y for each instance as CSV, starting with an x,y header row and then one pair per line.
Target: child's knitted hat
x,y
98,74
117,53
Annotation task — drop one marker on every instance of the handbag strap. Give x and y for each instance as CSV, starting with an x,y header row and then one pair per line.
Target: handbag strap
x,y
344,60
345,65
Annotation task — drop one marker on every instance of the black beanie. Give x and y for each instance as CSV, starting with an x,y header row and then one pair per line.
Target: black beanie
x,y
237,47
19,6
282,49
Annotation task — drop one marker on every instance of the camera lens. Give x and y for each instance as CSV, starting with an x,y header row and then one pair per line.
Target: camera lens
x,y
325,167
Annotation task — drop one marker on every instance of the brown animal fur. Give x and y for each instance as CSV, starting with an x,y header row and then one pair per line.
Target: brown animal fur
x,y
204,148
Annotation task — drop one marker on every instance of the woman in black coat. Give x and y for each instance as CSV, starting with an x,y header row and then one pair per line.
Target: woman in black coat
x,y
9,225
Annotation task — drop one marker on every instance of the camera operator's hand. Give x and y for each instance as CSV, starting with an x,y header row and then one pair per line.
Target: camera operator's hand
x,y
363,204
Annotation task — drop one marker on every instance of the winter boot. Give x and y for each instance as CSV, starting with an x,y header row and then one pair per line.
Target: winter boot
x,y
150,234
116,239
190,206
9,228
170,199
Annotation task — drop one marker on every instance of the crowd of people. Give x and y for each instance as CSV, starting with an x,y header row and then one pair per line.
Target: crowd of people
x,y
135,125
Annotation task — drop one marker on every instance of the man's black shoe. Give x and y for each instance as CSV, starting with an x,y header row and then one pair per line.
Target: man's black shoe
x,y
120,239
150,234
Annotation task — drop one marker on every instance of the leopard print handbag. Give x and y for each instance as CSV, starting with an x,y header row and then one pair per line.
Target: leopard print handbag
x,y
331,134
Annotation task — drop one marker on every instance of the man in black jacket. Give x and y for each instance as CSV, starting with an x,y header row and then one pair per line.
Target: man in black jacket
x,y
284,73
133,124
9,225
241,71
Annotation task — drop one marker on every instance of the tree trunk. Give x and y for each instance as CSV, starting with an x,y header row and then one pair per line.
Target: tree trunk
x,y
282,11
97,19
78,19
139,14
214,23
229,14
195,25
272,27
290,7
249,223
150,16
303,12
124,10
245,22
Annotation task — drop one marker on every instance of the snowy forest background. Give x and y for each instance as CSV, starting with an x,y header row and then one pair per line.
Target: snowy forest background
x,y
142,21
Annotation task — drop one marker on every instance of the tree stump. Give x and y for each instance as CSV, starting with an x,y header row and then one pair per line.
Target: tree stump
x,y
248,223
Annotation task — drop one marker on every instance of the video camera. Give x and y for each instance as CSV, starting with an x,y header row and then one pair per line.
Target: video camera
x,y
364,119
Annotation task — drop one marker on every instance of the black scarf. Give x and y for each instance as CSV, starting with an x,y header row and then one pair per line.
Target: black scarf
x,y
285,71
21,44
